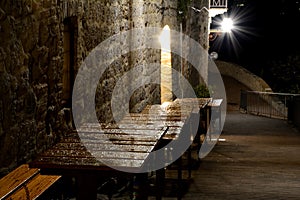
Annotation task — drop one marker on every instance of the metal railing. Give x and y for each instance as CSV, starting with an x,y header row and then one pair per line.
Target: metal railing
x,y
218,3
268,104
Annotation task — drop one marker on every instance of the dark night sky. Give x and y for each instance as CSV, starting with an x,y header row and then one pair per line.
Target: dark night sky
x,y
266,29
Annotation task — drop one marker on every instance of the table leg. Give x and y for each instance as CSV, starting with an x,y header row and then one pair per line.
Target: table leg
x,y
86,187
179,178
140,190
160,182
208,116
189,163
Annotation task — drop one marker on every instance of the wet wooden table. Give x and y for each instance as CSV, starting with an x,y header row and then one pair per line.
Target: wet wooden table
x,y
97,150
182,119
91,152
176,114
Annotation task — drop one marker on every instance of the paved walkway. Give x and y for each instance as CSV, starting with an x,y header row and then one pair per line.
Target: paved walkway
x,y
260,159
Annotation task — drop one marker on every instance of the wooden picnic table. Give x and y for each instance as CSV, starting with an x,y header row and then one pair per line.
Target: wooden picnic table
x,y
175,115
96,150
88,153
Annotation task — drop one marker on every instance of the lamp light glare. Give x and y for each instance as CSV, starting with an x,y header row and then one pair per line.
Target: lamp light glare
x,y
227,25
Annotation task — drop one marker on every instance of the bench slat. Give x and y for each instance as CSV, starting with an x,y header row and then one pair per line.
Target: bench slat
x,y
15,179
35,187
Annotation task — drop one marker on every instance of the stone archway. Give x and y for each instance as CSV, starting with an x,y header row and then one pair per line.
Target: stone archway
x,y
237,78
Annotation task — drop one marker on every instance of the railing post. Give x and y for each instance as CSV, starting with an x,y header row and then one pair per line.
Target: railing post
x,y
271,105
243,100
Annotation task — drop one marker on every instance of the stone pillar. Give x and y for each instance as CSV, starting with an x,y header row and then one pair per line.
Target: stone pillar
x,y
197,27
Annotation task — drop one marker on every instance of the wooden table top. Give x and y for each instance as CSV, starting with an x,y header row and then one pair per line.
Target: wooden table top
x,y
200,102
91,149
128,145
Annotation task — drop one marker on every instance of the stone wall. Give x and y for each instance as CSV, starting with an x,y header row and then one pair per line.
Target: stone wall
x,y
30,74
34,102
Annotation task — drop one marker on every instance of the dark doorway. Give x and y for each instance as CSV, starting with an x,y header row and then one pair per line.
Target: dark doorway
x,y
70,59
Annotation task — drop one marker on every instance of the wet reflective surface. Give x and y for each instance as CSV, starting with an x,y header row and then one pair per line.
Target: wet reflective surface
x,y
124,144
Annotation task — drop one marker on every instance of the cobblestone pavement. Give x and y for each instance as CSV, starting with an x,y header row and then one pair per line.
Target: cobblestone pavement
x,y
260,159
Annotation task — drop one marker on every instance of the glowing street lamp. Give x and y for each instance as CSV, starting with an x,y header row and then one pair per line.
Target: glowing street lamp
x,y
227,25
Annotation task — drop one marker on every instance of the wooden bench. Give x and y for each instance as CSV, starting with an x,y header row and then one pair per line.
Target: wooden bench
x,y
25,183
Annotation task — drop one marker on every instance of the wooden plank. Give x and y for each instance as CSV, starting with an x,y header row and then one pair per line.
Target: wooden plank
x,y
176,114
120,148
96,154
153,118
118,137
120,131
172,133
166,122
127,127
174,106
35,187
15,179
65,162
79,147
140,137
121,142
149,124
74,163
202,102
175,111
115,137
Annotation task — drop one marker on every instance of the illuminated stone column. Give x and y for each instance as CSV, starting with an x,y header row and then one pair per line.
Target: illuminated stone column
x,y
166,66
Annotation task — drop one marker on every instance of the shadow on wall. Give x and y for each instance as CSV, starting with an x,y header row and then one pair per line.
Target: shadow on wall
x,y
233,89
